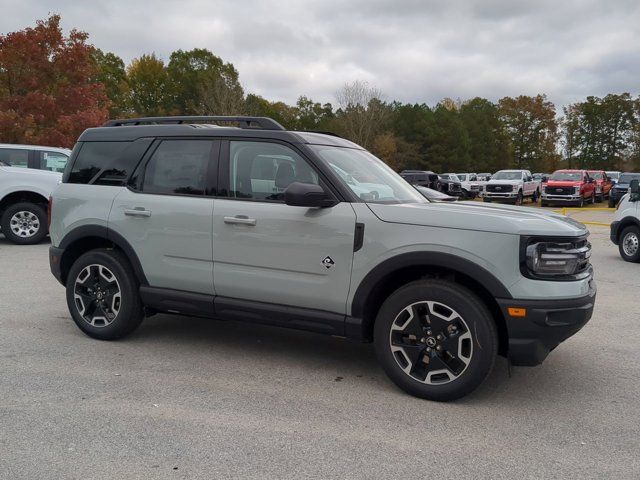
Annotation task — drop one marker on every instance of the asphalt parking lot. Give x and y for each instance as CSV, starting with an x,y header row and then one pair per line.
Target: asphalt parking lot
x,y
194,398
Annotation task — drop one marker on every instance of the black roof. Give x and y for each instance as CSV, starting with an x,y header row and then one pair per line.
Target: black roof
x,y
249,127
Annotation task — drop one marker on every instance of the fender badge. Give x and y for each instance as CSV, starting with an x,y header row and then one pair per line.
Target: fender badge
x,y
328,262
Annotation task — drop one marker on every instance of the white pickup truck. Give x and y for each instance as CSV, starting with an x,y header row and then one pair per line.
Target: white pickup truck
x,y
471,186
24,197
512,186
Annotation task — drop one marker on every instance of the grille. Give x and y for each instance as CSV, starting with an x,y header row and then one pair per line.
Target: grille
x,y
560,190
455,187
499,188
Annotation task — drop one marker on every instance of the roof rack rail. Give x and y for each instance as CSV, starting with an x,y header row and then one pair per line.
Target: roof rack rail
x,y
263,123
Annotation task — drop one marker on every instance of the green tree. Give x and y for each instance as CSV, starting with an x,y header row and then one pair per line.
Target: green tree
x,y
532,127
149,93
489,145
203,84
110,72
447,140
313,115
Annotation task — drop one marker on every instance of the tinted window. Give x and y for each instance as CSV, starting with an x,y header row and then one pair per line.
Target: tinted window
x,y
14,157
178,167
262,171
95,158
52,161
627,177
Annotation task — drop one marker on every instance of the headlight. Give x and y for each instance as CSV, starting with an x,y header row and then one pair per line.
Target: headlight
x,y
577,190
544,189
556,259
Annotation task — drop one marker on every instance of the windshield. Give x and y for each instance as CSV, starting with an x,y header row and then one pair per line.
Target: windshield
x,y
596,175
567,176
376,182
462,177
627,177
613,175
450,176
507,176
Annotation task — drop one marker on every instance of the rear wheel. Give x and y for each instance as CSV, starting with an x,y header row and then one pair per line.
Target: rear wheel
x,y
102,295
629,244
435,339
24,223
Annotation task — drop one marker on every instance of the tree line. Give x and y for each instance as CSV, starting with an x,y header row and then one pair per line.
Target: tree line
x,y
54,86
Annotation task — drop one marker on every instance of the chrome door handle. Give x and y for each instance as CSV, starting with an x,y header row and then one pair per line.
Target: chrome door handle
x,y
241,220
137,212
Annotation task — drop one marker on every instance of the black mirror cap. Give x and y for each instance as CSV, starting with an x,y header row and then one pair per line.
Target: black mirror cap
x,y
634,187
308,195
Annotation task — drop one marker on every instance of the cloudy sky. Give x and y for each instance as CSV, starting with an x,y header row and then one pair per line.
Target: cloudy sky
x,y
413,50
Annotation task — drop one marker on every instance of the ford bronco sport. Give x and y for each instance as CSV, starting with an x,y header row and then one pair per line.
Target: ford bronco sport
x,y
255,223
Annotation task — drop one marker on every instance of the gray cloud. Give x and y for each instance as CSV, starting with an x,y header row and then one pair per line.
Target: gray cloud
x,y
413,50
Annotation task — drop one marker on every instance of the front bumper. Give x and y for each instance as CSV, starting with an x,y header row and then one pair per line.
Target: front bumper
x,y
55,260
499,196
615,227
562,198
547,323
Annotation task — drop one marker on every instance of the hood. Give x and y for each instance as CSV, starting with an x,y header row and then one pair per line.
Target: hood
x,y
480,217
31,173
504,182
564,183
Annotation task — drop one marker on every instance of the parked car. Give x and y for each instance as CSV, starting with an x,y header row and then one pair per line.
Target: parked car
x,y
625,228
541,177
569,187
24,196
614,176
484,177
34,156
161,215
424,178
621,187
434,195
471,186
602,182
450,184
512,186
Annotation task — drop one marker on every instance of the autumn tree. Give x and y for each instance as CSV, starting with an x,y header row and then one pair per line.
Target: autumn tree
x,y
48,89
149,87
532,127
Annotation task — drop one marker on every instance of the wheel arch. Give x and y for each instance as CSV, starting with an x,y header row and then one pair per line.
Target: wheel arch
x,y
624,223
391,274
89,237
18,196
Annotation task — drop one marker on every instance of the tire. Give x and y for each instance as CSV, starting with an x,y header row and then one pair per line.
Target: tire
x,y
486,200
629,244
543,203
599,198
519,199
581,202
611,203
108,272
474,352
535,196
24,223
593,198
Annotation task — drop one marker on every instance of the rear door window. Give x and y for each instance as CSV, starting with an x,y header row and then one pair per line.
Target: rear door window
x,y
15,157
95,158
179,167
51,161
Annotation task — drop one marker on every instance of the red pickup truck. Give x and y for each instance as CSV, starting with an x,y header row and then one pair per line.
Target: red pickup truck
x,y
569,187
603,184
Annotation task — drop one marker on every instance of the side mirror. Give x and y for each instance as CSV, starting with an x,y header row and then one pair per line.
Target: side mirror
x,y
609,179
591,180
634,190
308,195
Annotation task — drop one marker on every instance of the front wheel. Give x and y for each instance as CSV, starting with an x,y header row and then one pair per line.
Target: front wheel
x,y
519,199
612,203
435,339
535,196
24,223
102,295
629,244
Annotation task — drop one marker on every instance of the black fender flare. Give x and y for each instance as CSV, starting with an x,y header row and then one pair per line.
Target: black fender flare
x,y
103,232
427,259
624,223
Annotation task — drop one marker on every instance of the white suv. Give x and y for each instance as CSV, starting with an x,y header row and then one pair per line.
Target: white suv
x,y
38,157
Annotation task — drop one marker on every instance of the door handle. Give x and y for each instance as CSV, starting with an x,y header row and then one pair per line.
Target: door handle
x,y
241,220
137,212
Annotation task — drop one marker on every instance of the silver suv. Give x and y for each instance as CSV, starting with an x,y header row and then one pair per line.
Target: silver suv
x,y
305,230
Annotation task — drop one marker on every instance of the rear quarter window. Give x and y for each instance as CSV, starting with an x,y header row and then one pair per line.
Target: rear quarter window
x,y
107,163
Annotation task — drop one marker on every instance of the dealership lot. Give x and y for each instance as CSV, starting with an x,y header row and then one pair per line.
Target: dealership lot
x,y
187,397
